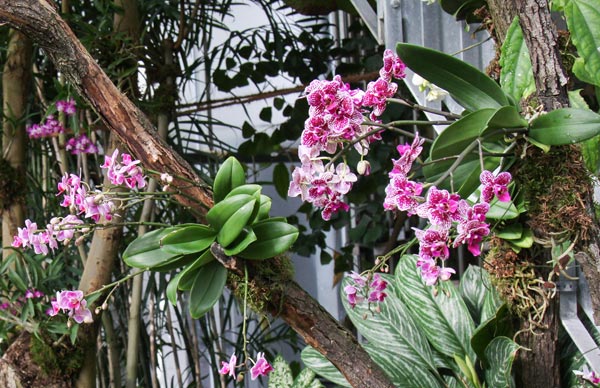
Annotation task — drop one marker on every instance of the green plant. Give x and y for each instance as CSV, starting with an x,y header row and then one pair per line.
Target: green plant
x,y
444,336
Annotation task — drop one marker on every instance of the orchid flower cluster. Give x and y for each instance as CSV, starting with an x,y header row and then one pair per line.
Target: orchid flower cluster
x,y
443,210
80,199
336,118
14,307
84,201
336,115
51,127
73,303
261,367
588,375
358,291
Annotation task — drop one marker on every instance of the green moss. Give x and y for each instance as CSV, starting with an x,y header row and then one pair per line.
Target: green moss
x,y
276,272
64,359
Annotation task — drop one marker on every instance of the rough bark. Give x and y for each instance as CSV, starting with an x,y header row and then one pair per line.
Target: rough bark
x,y
502,13
16,83
39,20
539,367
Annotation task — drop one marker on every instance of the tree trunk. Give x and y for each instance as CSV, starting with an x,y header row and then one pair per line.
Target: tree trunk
x,y
41,23
16,82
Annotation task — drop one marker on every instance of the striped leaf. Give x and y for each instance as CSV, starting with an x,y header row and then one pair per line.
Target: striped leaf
x,y
392,329
500,353
443,318
491,304
473,285
321,366
401,374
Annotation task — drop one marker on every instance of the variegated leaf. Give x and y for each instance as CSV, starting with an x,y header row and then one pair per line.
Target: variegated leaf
x,y
321,366
393,329
440,313
281,376
500,353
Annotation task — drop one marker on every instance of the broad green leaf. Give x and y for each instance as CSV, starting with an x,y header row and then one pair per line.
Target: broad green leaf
x,y
500,324
402,374
393,329
474,283
281,179
207,289
189,273
502,210
321,366
510,232
565,126
176,262
230,216
501,353
583,20
589,147
273,237
172,288
516,74
230,175
249,188
581,72
525,241
468,86
245,238
146,251
265,208
491,304
505,117
465,179
189,239
442,316
461,134
281,375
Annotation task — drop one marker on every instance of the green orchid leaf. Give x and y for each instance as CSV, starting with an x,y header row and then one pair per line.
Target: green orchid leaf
x,y
525,241
146,251
230,175
462,133
281,179
516,74
173,287
265,208
505,117
322,366
189,273
468,86
440,314
583,20
500,324
176,262
590,147
281,375
502,210
474,283
230,216
465,178
253,190
273,237
510,232
188,239
207,289
500,353
565,126
245,238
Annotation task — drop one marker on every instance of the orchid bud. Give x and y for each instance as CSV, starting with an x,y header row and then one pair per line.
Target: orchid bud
x,y
364,167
